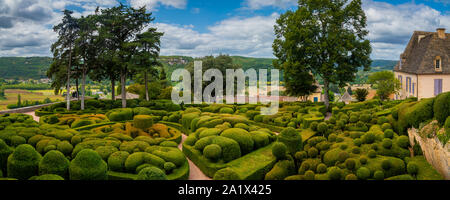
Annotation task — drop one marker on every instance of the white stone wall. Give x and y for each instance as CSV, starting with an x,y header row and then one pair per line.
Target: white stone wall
x,y
437,155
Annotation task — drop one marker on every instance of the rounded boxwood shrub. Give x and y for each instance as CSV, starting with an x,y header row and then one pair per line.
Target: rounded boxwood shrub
x,y
403,177
226,174
321,168
23,163
88,165
64,147
17,140
242,126
339,139
116,161
226,110
353,119
403,141
212,152
381,120
313,152
378,175
5,151
356,150
260,139
351,177
322,127
363,173
332,137
412,168
334,173
106,151
151,173
350,163
203,142
365,118
386,126
388,133
279,150
292,139
230,148
121,114
387,143
47,177
142,122
301,155
363,160
243,137
169,166
441,107
368,138
309,175
54,162
305,166
313,126
372,153
342,156
357,142
386,164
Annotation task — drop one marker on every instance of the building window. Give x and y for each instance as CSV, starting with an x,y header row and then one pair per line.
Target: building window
x,y
413,88
408,84
437,86
438,64
401,81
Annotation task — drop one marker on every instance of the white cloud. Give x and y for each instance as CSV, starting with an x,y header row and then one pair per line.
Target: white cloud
x,y
152,4
391,26
236,36
26,27
258,4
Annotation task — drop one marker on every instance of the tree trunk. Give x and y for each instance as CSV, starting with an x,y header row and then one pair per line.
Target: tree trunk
x,y
146,87
326,98
123,77
68,78
83,90
113,87
76,82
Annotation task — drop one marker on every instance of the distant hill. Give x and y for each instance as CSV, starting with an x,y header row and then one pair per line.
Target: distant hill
x,y
377,65
24,67
36,67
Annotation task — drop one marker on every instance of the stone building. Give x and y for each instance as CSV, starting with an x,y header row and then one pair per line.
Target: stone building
x,y
424,66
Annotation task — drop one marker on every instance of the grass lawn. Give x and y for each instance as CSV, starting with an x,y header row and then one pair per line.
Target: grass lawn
x,y
38,95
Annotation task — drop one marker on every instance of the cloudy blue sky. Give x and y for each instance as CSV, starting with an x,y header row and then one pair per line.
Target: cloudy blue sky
x,y
204,27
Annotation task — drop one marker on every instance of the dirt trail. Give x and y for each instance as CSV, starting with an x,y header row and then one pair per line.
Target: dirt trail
x,y
194,172
36,118
328,116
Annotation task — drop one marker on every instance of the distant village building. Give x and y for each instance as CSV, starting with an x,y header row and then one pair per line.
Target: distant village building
x,y
346,98
177,61
45,80
424,67
317,96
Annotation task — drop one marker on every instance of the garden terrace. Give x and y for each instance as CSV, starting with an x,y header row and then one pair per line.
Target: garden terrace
x,y
365,141
114,155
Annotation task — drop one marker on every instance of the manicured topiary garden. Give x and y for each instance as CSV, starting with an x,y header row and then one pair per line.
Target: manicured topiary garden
x,y
359,141
42,151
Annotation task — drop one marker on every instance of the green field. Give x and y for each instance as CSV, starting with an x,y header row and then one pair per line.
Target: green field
x,y
38,95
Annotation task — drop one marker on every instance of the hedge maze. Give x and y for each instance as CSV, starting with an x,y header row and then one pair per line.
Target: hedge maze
x,y
360,141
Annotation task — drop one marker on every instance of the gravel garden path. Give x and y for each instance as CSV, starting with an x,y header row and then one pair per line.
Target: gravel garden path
x,y
194,171
328,116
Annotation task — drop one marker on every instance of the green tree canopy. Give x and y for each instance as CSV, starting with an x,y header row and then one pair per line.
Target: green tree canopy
x,y
325,38
385,82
